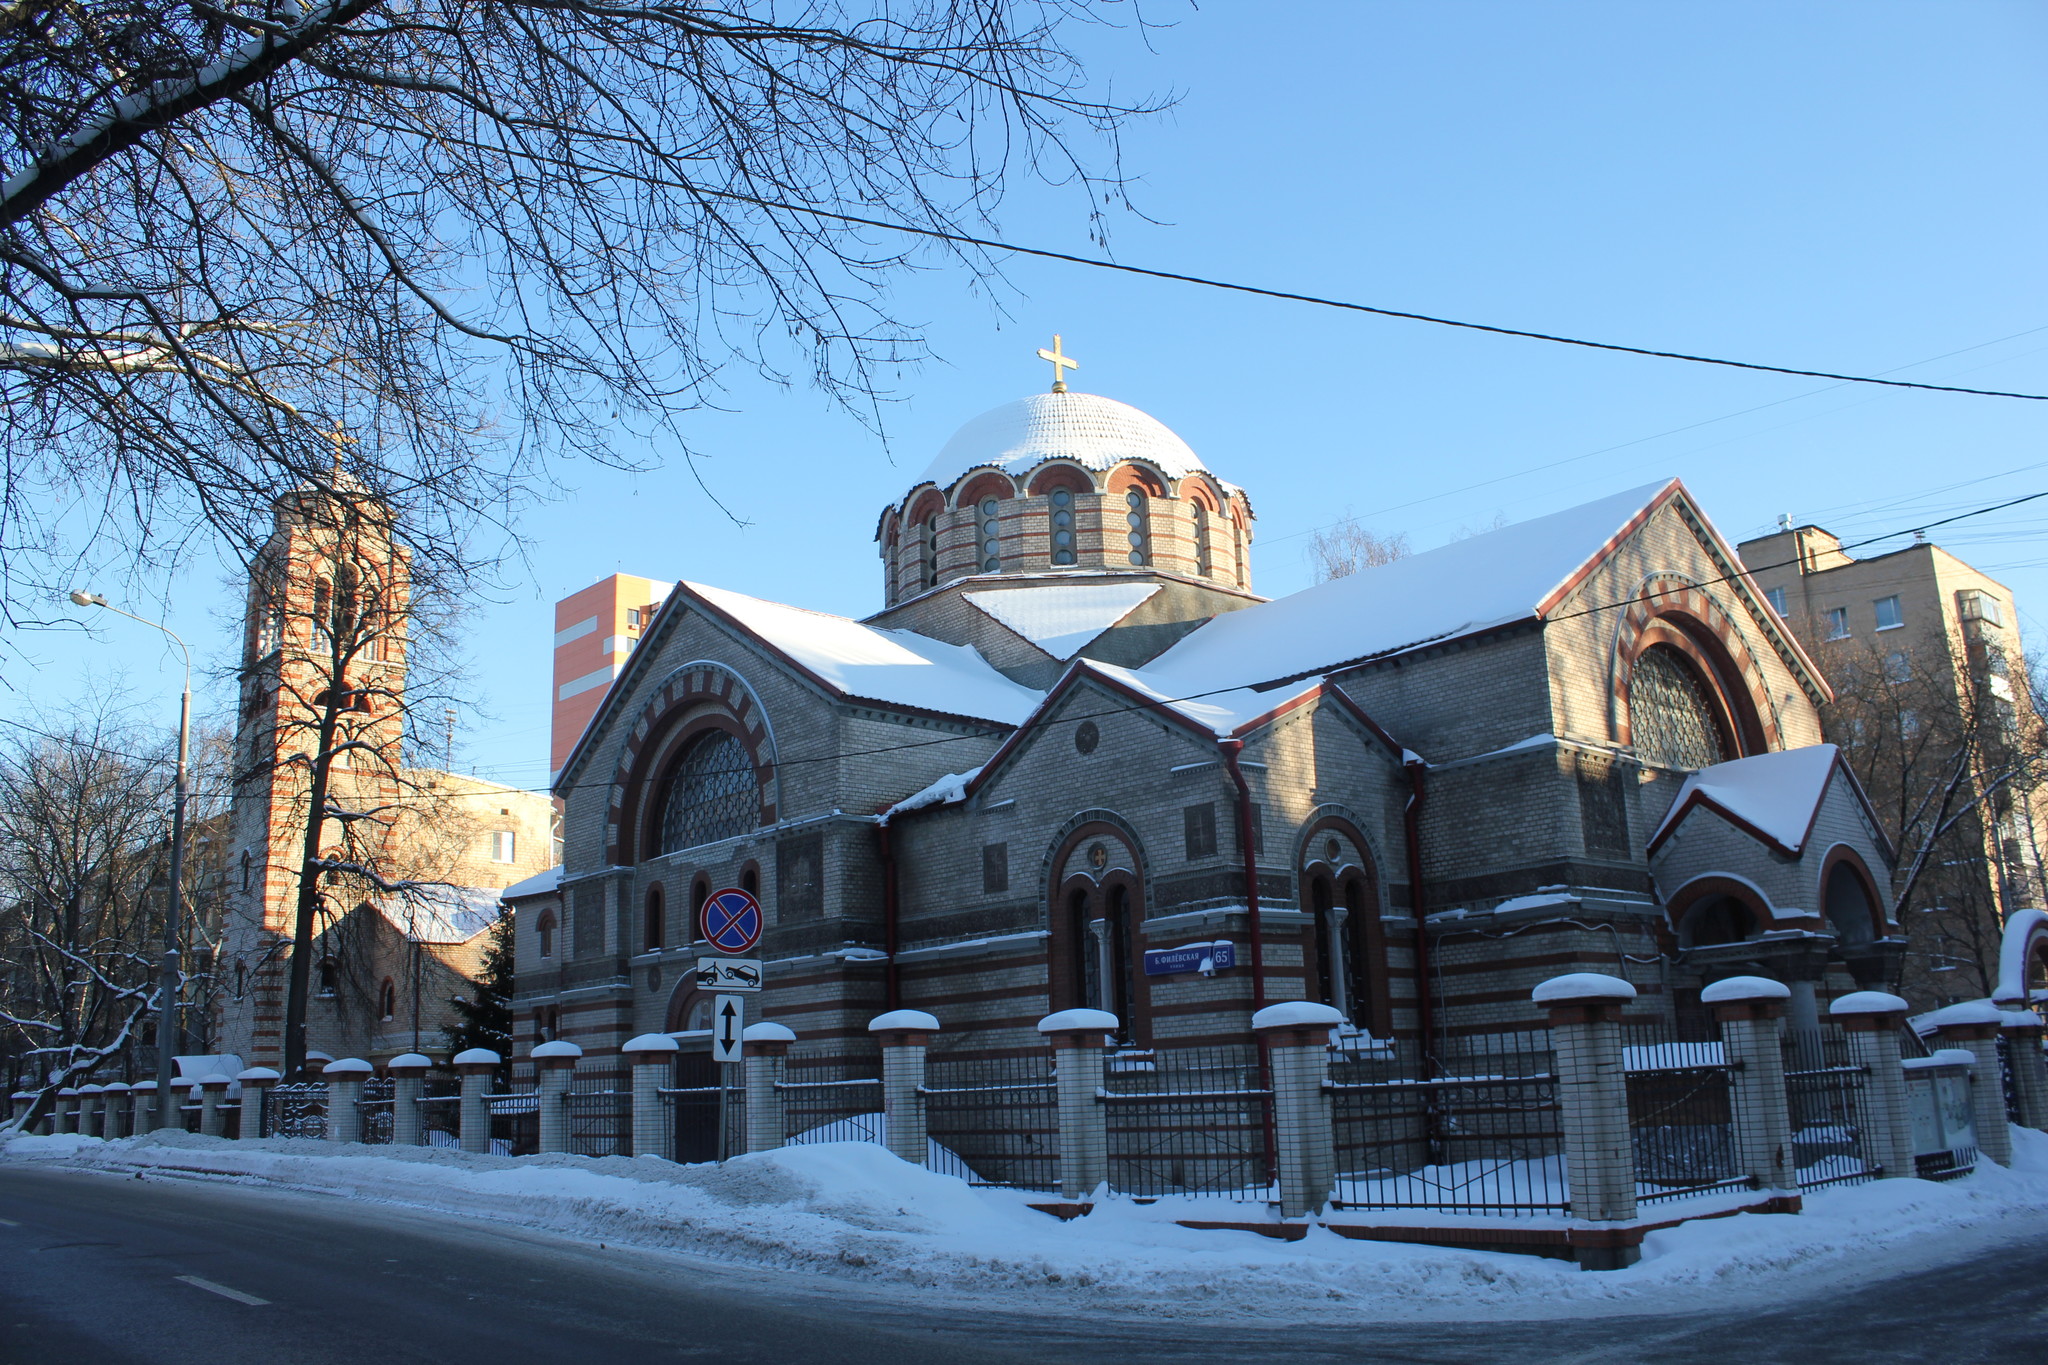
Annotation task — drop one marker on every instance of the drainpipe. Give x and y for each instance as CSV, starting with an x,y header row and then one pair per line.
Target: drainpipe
x,y
1231,749
1425,1009
889,915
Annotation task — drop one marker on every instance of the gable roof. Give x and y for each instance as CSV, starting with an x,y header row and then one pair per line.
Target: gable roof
x,y
1772,797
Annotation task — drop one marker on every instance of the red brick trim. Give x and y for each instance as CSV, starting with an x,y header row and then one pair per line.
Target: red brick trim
x,y
1672,610
721,699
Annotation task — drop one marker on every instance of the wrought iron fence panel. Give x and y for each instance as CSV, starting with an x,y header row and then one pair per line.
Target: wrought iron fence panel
x,y
600,1121
377,1109
298,1109
1189,1121
831,1103
514,1124
440,1106
1476,1130
994,1121
1823,1090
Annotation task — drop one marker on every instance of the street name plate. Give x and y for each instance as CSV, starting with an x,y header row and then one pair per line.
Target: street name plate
x,y
728,1023
728,974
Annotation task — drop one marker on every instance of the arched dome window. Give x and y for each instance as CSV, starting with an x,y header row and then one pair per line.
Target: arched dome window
x,y
1141,526
1673,717
928,552
1060,525
991,545
710,796
1202,560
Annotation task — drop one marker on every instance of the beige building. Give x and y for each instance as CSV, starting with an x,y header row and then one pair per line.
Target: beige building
x,y
1925,656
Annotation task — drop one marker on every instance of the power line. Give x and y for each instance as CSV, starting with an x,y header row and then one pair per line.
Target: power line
x,y
1293,297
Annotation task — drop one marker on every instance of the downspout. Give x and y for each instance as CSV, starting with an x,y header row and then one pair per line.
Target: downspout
x,y
1231,749
894,994
1425,1008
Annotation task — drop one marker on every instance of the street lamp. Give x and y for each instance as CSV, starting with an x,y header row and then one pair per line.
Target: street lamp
x,y
172,984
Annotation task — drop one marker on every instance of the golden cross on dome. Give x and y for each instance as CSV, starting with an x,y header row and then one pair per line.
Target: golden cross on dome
x,y
1060,364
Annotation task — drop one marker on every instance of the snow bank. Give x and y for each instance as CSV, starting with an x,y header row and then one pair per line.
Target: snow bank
x,y
851,1210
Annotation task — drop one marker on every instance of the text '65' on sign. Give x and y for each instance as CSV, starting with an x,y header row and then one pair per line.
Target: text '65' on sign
x,y
730,920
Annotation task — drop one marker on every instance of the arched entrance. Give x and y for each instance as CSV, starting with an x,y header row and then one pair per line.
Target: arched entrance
x,y
1346,957
1095,925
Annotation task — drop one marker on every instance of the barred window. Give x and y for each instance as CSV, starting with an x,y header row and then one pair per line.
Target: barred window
x,y
711,795
1671,714
1199,823
995,868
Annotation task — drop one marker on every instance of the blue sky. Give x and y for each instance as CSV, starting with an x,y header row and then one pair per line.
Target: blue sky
x,y
1854,187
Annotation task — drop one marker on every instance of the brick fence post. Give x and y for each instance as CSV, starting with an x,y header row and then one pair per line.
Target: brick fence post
x,y
1296,1036
65,1114
903,1035
213,1091
114,1120
1592,1096
473,1123
142,1095
1751,1010
89,1102
766,1059
1078,1038
256,1082
1870,1022
24,1100
1973,1026
651,1054
408,1072
345,1098
557,1063
2022,1032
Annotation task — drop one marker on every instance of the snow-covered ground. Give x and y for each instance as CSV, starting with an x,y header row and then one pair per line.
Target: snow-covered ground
x,y
852,1210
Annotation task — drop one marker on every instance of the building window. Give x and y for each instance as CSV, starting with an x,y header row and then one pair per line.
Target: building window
x,y
995,868
1897,667
632,618
1838,623
1141,528
327,976
502,845
928,551
750,880
800,878
247,864
1909,725
1888,615
653,920
1200,824
1672,718
1982,606
387,1000
712,794
241,979
991,544
1257,814
1202,560
1776,597
1062,526
544,933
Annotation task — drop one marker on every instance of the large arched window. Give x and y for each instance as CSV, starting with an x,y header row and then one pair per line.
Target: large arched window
x,y
1847,903
1673,718
711,795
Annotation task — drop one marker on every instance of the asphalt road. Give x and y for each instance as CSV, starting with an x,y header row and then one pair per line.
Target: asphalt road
x,y
101,1271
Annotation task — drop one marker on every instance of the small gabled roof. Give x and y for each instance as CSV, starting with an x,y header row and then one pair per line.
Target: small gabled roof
x,y
1773,797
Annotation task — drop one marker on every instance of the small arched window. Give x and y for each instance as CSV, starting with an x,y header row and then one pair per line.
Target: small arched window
x,y
653,920
247,863
1060,525
750,880
241,980
544,933
1673,719
327,976
700,891
711,795
387,1000
928,552
1203,563
1139,515
1846,902
991,542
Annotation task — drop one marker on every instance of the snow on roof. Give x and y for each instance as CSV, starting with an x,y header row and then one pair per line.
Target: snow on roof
x,y
894,667
1094,432
1455,589
538,884
1774,794
1064,618
442,914
948,789
1225,711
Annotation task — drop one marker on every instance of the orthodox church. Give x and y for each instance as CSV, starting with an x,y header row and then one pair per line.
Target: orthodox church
x,y
1076,760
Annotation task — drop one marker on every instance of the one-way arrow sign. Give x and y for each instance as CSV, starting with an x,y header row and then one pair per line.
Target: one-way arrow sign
x,y
729,1021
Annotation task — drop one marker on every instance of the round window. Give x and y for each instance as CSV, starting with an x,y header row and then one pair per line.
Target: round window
x,y
988,547
988,507
1135,499
1062,498
1063,557
1137,557
990,565
1086,737
1063,538
1063,518
1137,540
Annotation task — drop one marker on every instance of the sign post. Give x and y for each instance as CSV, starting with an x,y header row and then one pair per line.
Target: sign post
x,y
731,921
728,1031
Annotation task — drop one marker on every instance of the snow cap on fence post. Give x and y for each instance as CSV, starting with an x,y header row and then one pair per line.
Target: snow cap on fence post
x,y
344,1098
256,1082
142,1101
1974,1026
1870,1022
114,1110
24,1100
1296,1034
89,1108
1748,1009
903,1035
557,1062
762,1065
1087,1028
1078,1038
408,1072
473,1125
650,1053
1592,1096
213,1088
1866,1010
647,1048
1747,997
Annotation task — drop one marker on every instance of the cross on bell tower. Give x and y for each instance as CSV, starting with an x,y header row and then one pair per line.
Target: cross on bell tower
x,y
1060,364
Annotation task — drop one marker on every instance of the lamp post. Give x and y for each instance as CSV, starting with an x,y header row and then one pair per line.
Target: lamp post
x,y
172,985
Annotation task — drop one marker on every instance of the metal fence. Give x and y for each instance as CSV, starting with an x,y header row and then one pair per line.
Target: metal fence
x,y
1681,1114
1189,1121
832,1103
298,1109
515,1123
441,1112
600,1117
994,1121
1480,1135
1824,1093
377,1109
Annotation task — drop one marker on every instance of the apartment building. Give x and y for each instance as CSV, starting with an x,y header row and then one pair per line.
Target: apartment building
x,y
596,631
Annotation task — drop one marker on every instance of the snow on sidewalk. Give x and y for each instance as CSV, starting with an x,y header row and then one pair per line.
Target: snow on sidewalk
x,y
853,1210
